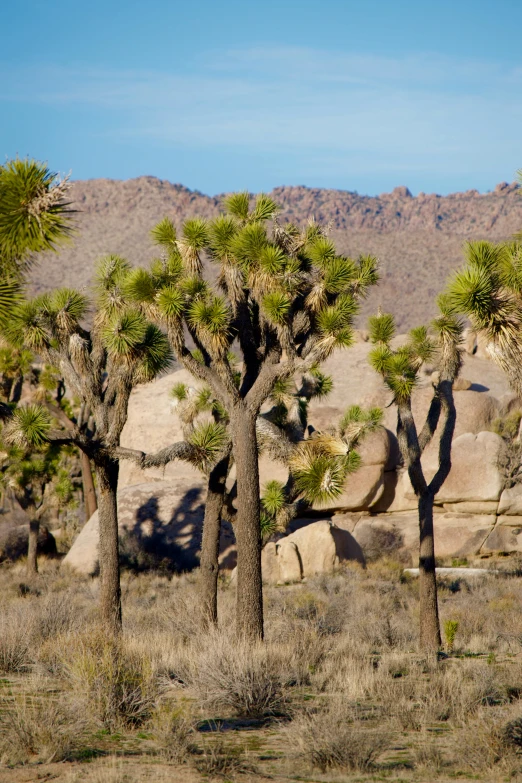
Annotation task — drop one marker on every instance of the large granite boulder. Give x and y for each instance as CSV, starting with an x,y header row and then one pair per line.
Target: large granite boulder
x,y
397,535
160,524
474,476
316,547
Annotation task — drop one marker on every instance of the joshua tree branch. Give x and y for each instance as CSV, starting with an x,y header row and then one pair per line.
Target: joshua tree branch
x,y
431,423
409,446
450,416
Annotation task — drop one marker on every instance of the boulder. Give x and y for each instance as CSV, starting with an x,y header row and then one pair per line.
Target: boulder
x,y
511,501
388,534
290,568
474,476
504,537
270,564
461,535
396,495
472,507
322,546
151,425
14,540
160,524
456,535
362,490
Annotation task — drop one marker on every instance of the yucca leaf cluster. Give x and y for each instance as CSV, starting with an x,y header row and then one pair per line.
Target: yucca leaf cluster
x,y
30,466
35,216
400,366
488,290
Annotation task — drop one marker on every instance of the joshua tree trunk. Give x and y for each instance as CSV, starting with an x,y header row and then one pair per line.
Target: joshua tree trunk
x,y
429,611
210,543
89,493
248,532
32,561
110,594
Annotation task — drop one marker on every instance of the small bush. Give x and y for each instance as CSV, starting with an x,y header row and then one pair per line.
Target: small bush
x,y
173,732
118,686
450,632
15,644
218,759
243,679
41,730
332,739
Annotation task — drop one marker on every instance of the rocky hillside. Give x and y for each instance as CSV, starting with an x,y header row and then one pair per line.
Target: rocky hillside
x,y
418,239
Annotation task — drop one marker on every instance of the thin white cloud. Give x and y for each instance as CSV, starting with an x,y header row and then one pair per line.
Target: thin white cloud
x,y
411,112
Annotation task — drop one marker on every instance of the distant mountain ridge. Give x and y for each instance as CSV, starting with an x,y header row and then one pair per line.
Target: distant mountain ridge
x,y
417,239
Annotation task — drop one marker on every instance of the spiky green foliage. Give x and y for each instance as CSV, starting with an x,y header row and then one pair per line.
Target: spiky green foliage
x,y
29,426
323,384
321,477
265,208
488,289
381,328
124,332
238,205
34,212
208,438
276,307
179,391
273,497
10,296
164,233
152,356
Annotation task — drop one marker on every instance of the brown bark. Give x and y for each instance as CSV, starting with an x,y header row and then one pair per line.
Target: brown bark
x,y
209,562
430,640
110,593
89,493
249,606
32,560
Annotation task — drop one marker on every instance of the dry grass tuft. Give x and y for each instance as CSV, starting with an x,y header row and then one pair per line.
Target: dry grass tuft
x,y
174,732
334,738
117,686
240,678
219,759
39,729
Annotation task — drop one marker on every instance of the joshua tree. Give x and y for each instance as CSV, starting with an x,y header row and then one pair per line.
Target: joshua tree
x,y
288,299
399,369
37,475
489,292
34,217
100,366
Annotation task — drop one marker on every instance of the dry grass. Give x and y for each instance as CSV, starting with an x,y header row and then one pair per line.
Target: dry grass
x,y
339,663
40,728
338,737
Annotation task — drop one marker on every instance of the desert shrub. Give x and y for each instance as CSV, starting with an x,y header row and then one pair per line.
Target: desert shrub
x,y
173,730
118,686
56,614
483,744
217,759
39,729
333,739
15,643
235,676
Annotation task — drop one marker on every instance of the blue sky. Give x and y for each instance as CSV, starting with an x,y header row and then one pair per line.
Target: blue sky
x,y
223,95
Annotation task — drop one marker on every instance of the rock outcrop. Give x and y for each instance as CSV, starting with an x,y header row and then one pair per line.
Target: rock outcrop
x,y
160,525
161,510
